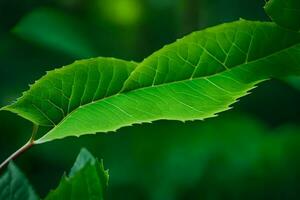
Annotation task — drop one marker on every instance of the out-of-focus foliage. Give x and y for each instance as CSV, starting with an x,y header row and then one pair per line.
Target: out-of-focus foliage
x,y
230,157
294,81
56,30
286,13
121,12
194,159
14,186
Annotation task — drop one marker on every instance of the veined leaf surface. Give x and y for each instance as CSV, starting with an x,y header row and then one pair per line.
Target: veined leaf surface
x,y
192,79
286,13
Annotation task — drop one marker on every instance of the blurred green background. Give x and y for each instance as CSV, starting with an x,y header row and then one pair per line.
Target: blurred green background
x,y
250,152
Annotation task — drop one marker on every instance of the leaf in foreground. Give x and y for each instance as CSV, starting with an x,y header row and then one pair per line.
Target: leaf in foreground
x,y
193,78
286,13
87,180
14,185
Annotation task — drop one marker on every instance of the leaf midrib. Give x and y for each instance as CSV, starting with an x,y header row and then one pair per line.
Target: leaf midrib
x,y
163,84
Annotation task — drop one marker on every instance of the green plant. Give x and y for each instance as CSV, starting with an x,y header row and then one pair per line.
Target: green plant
x,y
86,169
193,78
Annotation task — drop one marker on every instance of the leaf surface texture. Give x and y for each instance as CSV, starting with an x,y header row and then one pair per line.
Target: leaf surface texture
x,y
191,79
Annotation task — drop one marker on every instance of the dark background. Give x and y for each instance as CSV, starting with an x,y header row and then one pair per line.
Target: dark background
x,y
250,152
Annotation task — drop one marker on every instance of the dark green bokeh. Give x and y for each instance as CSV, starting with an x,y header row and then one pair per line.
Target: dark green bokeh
x,y
250,152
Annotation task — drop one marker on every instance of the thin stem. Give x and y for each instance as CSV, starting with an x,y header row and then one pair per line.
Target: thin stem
x,y
34,132
16,154
24,148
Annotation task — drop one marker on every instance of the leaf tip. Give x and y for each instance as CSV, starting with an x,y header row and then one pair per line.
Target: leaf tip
x,y
82,159
4,108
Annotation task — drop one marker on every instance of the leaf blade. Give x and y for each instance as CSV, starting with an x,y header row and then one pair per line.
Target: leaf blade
x,y
47,107
14,185
192,79
87,180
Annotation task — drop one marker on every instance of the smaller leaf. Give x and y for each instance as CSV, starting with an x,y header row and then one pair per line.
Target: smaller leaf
x,y
87,180
285,13
14,185
82,159
56,30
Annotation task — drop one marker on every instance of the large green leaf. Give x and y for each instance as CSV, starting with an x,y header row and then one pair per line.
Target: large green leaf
x,y
14,186
192,79
87,180
286,13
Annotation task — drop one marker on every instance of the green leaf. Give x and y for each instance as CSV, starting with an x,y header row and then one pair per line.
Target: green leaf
x,y
286,13
82,159
14,186
192,79
294,81
87,180
55,30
